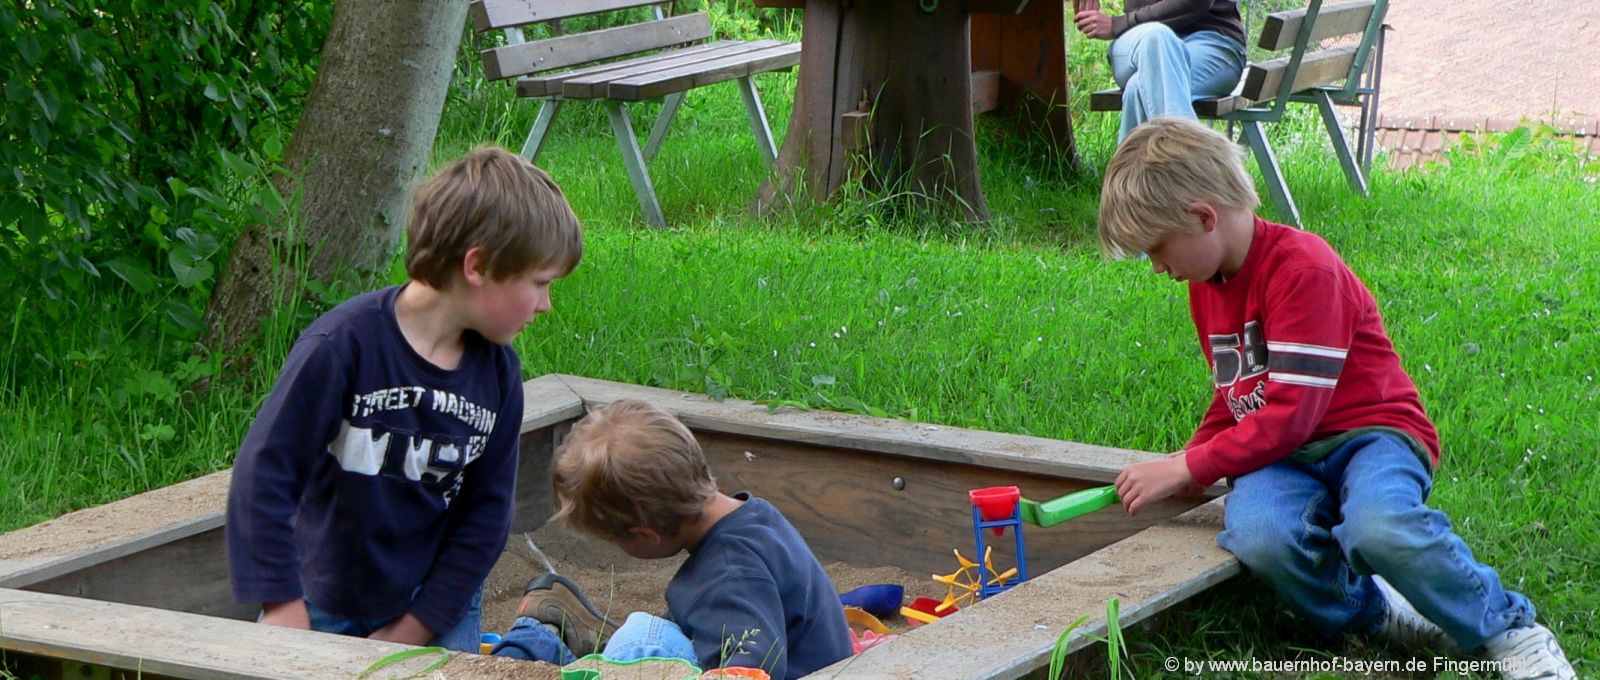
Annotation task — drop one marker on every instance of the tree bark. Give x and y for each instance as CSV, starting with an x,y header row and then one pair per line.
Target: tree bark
x,y
364,138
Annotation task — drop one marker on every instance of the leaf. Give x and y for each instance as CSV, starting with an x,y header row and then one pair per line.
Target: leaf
x,y
1058,655
207,196
48,103
237,165
134,273
40,133
28,47
822,379
270,201
212,93
191,271
183,316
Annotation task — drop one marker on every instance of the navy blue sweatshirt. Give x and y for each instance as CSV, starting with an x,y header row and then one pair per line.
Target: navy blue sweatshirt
x,y
753,577
374,483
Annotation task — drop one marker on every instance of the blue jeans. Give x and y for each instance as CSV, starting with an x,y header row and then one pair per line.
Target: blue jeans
x,y
641,636
1162,74
462,638
1316,532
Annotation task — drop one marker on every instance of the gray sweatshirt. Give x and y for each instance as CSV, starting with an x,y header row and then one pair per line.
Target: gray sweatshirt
x,y
1183,16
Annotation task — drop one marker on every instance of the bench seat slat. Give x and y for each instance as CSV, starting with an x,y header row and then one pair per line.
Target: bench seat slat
x,y
1323,67
597,85
488,15
1111,100
581,48
1281,28
656,84
550,85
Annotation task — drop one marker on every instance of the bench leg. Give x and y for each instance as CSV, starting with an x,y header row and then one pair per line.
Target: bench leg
x,y
1369,109
758,120
634,161
658,131
1341,144
1268,162
541,129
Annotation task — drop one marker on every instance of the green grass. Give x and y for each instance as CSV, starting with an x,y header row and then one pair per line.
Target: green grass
x,y
1485,270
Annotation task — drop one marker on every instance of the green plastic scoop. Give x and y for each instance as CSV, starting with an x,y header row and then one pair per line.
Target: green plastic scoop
x,y
1070,506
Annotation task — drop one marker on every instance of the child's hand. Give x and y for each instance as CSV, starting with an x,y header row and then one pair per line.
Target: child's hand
x,y
407,629
290,614
1141,484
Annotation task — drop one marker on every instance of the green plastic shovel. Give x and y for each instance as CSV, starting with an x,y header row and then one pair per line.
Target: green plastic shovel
x,y
1070,506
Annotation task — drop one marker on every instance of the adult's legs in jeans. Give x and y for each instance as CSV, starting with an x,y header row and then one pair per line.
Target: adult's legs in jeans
x,y
1215,63
1387,529
1162,74
1277,522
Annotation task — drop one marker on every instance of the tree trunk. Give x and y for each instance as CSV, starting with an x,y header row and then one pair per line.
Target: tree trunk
x,y
364,138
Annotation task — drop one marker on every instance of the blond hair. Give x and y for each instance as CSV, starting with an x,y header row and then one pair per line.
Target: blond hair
x,y
630,465
1158,171
494,200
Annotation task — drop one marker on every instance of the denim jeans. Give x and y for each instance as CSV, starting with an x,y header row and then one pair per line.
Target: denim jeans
x,y
1316,532
462,638
641,636
1162,74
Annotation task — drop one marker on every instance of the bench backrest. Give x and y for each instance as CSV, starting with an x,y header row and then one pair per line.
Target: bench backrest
x,y
1306,65
525,58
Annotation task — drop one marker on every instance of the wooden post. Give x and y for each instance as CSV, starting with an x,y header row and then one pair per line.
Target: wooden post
x,y
918,63
916,69
1027,46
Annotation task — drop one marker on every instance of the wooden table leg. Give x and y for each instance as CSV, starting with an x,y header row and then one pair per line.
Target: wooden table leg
x,y
1029,51
915,68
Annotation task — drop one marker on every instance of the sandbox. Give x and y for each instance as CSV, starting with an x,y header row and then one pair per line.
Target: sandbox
x,y
139,588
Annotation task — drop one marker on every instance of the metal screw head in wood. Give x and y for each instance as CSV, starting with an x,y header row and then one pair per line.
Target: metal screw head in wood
x,y
899,483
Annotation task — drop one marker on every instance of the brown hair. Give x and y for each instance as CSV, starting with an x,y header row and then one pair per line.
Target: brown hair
x,y
1158,171
630,465
494,200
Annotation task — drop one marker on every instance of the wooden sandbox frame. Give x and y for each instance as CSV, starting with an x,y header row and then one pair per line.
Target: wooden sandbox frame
x,y
154,598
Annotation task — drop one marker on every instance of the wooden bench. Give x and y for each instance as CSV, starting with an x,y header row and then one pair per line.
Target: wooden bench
x,y
1324,76
663,57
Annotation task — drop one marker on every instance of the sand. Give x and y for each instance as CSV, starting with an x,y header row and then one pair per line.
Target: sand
x,y
618,584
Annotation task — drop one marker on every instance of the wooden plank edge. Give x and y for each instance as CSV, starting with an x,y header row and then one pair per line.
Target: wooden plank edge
x,y
985,91
547,400
177,644
948,644
37,562
943,443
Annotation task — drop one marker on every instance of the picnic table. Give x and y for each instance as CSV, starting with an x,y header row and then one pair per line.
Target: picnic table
x,y
899,81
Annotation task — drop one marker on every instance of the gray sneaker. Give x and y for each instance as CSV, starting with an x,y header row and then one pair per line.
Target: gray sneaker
x,y
1530,653
554,600
1404,626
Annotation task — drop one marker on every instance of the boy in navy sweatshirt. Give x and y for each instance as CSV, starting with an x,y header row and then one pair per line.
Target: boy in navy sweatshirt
x,y
751,593
373,492
1314,420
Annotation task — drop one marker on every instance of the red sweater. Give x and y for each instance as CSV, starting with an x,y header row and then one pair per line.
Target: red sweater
x,y
1298,355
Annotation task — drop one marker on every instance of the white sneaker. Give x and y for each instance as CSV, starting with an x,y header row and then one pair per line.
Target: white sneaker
x,y
1404,626
1530,653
